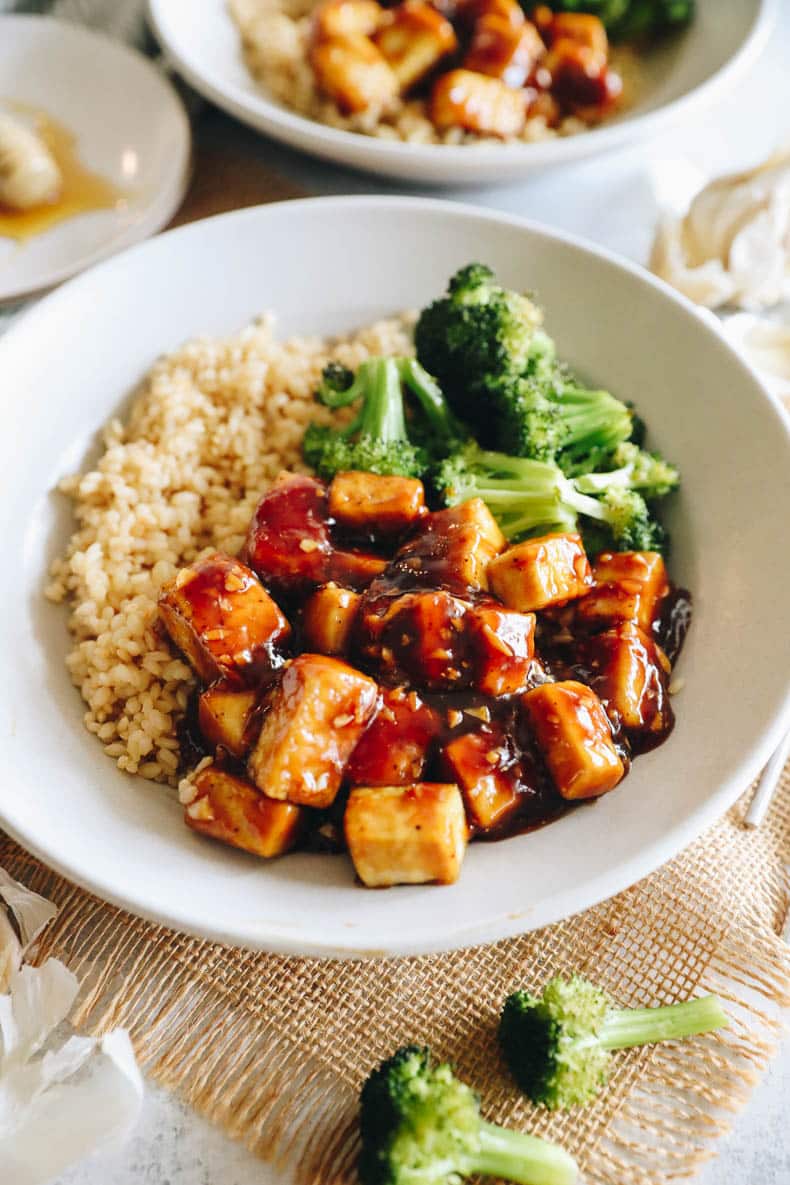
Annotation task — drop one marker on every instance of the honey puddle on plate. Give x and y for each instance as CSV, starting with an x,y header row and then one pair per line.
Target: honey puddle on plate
x,y
82,189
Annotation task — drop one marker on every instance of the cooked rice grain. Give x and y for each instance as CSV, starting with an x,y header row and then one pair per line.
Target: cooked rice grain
x,y
212,426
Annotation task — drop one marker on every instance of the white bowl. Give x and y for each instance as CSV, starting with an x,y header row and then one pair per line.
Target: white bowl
x,y
680,78
328,265
131,128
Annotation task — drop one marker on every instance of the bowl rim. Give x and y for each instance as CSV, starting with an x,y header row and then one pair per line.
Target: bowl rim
x,y
309,135
615,880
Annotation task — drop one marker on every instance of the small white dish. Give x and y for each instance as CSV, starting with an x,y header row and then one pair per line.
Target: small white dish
x,y
131,129
328,265
680,78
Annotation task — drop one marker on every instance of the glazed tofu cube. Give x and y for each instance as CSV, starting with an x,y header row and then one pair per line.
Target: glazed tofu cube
x,y
583,28
541,572
328,619
353,72
629,586
222,619
406,835
288,542
487,771
504,49
416,637
357,569
345,18
628,671
501,646
477,103
414,39
228,717
573,733
317,715
394,749
375,504
453,547
232,810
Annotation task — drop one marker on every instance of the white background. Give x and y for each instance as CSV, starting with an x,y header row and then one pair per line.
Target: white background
x,y
614,201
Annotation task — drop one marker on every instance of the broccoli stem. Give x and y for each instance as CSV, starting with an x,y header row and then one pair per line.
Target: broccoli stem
x,y
382,414
527,1160
624,1027
429,395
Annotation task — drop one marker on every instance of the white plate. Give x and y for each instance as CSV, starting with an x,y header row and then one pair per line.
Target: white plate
x,y
130,126
680,78
329,265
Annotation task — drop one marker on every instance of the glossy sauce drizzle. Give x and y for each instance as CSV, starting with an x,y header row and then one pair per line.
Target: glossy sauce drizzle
x,y
81,192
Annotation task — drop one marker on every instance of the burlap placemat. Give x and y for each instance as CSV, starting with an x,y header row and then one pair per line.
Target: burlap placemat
x,y
274,1049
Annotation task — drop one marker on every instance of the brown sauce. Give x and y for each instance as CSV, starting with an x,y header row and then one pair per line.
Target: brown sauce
x,y
82,190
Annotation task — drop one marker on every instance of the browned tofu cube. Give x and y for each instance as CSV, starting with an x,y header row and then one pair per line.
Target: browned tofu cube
x,y
374,504
501,646
317,715
487,770
233,811
355,568
353,72
628,672
452,547
394,749
581,27
416,637
228,716
413,40
477,103
540,572
288,541
629,586
406,835
222,619
345,18
329,616
504,49
573,733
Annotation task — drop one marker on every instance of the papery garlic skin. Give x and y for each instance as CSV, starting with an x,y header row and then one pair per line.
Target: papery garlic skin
x,y
29,174
733,246
23,915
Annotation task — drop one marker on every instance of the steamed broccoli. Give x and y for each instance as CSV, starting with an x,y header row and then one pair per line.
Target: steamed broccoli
x,y
378,438
633,468
421,1126
478,329
632,18
529,497
594,424
521,418
557,1045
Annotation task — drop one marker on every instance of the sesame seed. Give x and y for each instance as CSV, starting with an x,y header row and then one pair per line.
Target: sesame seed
x,y
201,810
454,717
481,713
342,720
308,545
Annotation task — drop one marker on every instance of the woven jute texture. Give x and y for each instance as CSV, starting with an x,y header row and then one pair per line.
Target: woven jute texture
x,y
274,1049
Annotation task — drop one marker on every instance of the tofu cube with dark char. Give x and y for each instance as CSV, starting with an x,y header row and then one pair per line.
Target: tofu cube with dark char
x,y
416,637
223,620
538,573
629,586
232,810
288,541
394,749
316,717
328,619
452,548
501,646
406,835
574,736
629,671
486,768
414,39
228,716
373,504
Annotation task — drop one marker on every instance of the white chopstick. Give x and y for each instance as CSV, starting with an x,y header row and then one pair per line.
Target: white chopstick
x,y
769,779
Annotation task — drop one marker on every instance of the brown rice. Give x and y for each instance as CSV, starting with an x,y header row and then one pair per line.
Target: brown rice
x,y
211,427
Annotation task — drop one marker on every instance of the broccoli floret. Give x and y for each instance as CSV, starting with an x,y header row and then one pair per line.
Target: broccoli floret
x,y
627,517
478,329
632,18
379,439
522,419
595,424
421,1126
557,1045
633,468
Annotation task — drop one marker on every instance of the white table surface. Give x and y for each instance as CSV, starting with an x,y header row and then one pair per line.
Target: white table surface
x,y
612,200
